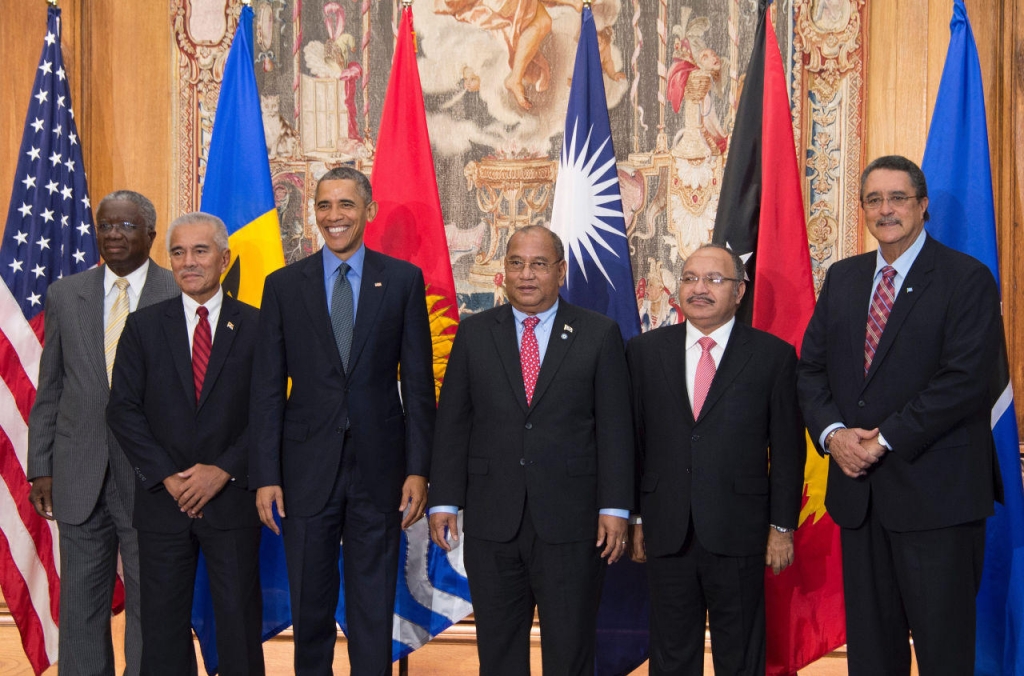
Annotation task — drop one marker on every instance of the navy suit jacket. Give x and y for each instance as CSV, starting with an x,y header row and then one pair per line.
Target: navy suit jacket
x,y
928,390
298,438
566,455
155,417
735,469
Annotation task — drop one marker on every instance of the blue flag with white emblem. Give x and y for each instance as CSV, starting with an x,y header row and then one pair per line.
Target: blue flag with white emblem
x,y
957,167
587,215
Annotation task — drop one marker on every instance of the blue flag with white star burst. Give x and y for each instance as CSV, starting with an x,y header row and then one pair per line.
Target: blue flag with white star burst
x,y
957,166
587,215
49,231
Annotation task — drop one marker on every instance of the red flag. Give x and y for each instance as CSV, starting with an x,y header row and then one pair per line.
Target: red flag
x,y
762,213
409,224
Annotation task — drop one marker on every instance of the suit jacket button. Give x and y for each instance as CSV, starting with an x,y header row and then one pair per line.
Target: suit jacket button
x,y
695,438
861,403
529,425
522,461
687,470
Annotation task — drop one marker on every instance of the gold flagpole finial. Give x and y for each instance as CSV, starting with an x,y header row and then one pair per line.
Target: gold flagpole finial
x,y
587,3
247,3
406,3
51,2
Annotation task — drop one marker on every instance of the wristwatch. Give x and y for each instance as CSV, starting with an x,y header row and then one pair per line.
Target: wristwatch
x,y
828,439
780,529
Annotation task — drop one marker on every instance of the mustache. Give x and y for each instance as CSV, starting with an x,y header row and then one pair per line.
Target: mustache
x,y
889,220
700,296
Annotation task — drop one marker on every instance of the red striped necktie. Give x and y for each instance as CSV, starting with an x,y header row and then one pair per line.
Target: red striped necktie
x,y
878,314
201,344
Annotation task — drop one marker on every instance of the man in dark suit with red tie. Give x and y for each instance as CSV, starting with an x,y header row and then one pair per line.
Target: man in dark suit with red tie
x,y
179,406
721,454
347,449
894,383
534,440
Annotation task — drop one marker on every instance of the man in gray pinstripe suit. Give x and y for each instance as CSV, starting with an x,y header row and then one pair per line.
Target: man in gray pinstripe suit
x,y
80,476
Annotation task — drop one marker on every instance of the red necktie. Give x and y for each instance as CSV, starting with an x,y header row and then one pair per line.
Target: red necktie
x,y
201,343
705,374
878,314
529,357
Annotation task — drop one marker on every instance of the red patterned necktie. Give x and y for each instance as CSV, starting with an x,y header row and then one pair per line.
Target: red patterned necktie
x,y
878,314
201,343
529,356
705,374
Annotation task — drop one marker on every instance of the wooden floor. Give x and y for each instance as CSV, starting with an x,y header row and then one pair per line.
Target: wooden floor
x,y
451,654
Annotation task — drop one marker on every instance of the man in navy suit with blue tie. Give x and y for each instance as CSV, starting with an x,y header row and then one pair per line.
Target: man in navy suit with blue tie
x,y
347,449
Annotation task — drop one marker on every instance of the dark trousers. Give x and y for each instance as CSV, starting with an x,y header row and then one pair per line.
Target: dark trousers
x,y
507,580
371,539
167,565
693,586
922,583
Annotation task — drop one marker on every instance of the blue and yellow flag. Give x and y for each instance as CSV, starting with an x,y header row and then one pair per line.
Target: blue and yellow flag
x,y
237,187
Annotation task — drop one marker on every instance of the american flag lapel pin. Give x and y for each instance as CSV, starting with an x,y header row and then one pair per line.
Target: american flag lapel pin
x,y
377,284
231,326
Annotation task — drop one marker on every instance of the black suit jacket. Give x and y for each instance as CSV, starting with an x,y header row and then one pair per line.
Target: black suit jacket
x,y
928,389
298,438
739,466
154,415
568,455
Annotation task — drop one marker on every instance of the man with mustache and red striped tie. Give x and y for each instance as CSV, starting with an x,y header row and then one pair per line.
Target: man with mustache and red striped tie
x,y
894,383
179,405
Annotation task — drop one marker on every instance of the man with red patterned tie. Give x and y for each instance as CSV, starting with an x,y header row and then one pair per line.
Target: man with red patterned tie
x,y
534,440
721,452
179,406
894,382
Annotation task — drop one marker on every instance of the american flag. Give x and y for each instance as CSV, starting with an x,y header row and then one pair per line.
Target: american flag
x,y
49,234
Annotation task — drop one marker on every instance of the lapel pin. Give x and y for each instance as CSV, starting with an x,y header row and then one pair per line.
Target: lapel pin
x,y
231,326
567,328
565,336
377,284
910,289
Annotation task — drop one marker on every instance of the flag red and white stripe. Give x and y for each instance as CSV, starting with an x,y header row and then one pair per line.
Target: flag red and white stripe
x,y
49,233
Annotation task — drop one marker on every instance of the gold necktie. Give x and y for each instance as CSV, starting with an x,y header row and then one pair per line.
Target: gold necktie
x,y
118,316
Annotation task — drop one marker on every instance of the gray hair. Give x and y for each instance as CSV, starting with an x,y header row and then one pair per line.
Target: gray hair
x,y
142,202
737,262
346,173
556,241
220,231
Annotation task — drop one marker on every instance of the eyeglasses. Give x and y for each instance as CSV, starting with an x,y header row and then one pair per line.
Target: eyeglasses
x,y
125,227
517,265
896,201
713,279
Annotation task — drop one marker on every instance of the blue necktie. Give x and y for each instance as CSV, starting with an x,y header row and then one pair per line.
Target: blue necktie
x,y
341,313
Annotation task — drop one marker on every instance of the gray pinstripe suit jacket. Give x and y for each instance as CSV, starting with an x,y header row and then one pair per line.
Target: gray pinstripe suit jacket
x,y
68,437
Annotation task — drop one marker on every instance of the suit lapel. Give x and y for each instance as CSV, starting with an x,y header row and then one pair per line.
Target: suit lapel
x,y
371,291
90,319
914,286
504,333
673,356
227,328
176,335
734,360
315,298
561,338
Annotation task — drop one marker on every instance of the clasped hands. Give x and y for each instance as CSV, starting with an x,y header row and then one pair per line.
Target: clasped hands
x,y
195,487
855,450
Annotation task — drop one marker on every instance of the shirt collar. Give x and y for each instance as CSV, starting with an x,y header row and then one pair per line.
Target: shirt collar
x,y
719,335
543,316
213,304
355,261
136,278
906,259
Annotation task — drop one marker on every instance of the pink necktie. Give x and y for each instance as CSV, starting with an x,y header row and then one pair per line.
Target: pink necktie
x,y
201,344
705,374
878,314
529,357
